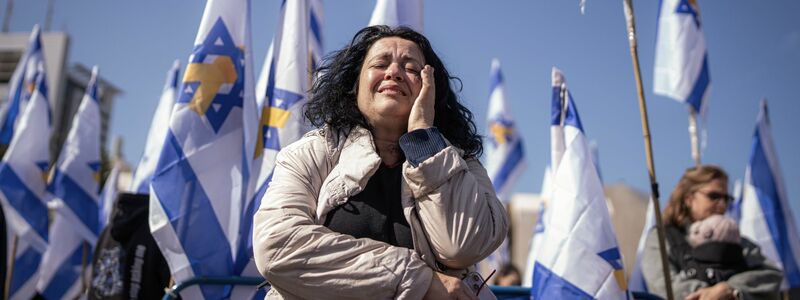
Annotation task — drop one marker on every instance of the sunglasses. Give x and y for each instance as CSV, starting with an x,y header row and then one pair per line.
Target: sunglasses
x,y
715,196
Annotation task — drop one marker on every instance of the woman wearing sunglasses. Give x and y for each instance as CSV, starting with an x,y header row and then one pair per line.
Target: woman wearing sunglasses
x,y
701,193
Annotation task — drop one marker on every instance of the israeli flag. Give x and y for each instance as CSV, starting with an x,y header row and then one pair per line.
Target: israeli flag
x,y
681,66
580,257
280,122
23,182
200,181
21,86
159,127
281,119
505,155
766,216
636,282
74,184
396,13
505,158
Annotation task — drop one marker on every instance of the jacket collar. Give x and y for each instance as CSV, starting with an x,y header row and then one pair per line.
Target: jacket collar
x,y
357,161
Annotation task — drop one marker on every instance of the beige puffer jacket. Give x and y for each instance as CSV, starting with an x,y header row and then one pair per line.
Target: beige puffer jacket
x,y
455,217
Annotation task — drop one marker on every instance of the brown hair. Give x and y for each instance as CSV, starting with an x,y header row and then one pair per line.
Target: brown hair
x,y
677,213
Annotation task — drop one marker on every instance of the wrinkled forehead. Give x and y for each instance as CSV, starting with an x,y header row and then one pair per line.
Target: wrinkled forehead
x,y
391,47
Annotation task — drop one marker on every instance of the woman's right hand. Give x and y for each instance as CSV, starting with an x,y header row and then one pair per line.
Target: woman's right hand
x,y
448,287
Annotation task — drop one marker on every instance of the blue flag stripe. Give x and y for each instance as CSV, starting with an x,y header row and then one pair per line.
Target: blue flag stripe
x,y
509,165
34,52
700,86
74,196
23,200
316,31
246,228
571,117
7,131
767,191
66,275
24,267
555,107
496,80
548,285
190,205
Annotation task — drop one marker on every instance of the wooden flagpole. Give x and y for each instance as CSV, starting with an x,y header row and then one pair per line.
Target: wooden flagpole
x,y
631,24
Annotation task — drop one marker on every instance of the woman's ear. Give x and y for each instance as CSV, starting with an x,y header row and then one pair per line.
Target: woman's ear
x,y
687,200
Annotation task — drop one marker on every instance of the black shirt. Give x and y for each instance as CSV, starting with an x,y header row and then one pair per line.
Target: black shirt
x,y
376,212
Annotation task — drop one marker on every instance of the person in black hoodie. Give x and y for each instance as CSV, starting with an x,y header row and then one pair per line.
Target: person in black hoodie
x,y
127,263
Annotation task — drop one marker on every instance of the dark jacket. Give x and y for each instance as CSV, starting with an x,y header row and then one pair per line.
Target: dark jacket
x,y
712,261
127,263
762,279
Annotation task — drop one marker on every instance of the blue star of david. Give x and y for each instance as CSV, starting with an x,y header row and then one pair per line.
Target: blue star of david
x,y
686,7
220,43
42,165
281,99
94,165
613,257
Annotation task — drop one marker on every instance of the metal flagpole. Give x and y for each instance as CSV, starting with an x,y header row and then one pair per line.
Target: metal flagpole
x,y
693,136
10,270
628,6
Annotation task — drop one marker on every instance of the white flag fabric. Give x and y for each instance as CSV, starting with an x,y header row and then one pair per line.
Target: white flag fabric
x,y
735,208
681,65
636,282
396,13
159,127
580,257
538,231
21,86
201,179
23,184
315,43
766,216
109,194
75,187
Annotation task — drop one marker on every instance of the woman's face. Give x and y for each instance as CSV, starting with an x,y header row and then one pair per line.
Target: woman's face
x,y
390,81
709,199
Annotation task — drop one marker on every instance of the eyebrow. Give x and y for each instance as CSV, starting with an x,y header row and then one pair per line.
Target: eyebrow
x,y
403,58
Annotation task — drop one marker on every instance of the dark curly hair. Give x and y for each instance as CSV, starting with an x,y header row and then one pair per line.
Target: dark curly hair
x,y
333,95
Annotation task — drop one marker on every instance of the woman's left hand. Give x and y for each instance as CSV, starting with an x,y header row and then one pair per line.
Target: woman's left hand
x,y
422,111
719,291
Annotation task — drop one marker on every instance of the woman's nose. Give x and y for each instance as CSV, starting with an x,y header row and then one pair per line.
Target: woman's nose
x,y
722,207
392,72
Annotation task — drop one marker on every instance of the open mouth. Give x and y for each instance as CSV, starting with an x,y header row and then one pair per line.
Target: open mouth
x,y
391,90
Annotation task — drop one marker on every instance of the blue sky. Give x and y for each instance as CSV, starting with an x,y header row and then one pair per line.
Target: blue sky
x,y
754,52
